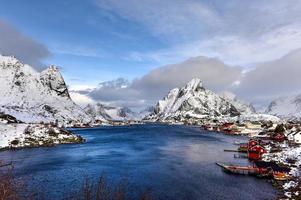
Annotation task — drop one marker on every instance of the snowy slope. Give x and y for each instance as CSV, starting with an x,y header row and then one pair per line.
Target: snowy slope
x,y
241,106
34,97
247,111
286,107
34,135
146,112
109,113
194,101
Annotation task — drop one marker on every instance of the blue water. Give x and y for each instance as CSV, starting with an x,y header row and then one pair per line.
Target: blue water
x,y
174,162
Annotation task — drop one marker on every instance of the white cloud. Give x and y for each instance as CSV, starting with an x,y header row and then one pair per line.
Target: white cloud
x,y
272,79
265,82
255,34
237,32
81,99
167,17
148,89
232,50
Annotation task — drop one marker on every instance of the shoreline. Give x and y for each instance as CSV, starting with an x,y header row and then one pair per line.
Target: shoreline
x,y
285,190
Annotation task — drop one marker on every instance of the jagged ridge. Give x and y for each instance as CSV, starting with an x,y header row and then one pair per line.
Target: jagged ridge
x,y
192,101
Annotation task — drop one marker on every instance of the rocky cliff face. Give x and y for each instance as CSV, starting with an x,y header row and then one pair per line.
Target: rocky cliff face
x,y
31,96
192,101
53,79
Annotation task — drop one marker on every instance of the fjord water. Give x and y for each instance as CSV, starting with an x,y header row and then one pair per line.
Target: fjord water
x,y
174,162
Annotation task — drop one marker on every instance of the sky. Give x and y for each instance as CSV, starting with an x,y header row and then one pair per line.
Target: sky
x,y
132,52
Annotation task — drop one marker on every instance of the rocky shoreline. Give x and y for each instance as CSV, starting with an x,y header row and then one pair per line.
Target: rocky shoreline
x,y
18,136
285,154
290,157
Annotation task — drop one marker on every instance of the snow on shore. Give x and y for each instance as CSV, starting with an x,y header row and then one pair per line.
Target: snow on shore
x,y
33,135
290,156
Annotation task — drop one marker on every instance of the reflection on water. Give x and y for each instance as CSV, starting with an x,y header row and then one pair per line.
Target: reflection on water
x,y
176,162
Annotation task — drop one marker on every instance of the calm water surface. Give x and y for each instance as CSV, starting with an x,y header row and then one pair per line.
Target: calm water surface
x,y
175,162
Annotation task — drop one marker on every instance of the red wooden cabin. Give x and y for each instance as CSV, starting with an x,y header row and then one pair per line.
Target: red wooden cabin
x,y
255,152
252,143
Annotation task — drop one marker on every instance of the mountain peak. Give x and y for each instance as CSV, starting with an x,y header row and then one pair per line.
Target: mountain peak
x,y
8,59
52,78
192,101
194,84
11,66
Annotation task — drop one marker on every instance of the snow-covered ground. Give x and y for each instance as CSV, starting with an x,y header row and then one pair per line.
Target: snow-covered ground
x,y
33,135
287,153
259,117
290,156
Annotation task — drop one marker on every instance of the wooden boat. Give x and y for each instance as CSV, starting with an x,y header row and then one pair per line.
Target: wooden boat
x,y
281,176
243,170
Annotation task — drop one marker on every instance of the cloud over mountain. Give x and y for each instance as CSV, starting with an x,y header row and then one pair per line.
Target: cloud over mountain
x,y
13,42
272,79
260,85
154,85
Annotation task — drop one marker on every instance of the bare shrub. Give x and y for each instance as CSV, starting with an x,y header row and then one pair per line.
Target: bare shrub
x,y
8,186
103,191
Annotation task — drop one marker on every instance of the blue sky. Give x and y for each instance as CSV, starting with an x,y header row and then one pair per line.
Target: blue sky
x,y
90,44
228,44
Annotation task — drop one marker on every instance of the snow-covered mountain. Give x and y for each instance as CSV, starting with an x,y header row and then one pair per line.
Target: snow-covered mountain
x,y
101,112
192,101
109,113
146,112
242,107
286,107
31,96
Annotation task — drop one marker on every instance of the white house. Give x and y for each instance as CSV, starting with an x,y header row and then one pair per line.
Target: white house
x,y
290,135
297,137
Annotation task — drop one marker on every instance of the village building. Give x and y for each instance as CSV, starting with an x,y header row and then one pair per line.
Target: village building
x,y
297,137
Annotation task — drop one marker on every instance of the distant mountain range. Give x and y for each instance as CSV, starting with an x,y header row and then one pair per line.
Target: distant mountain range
x,y
286,107
194,101
242,107
102,112
34,97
